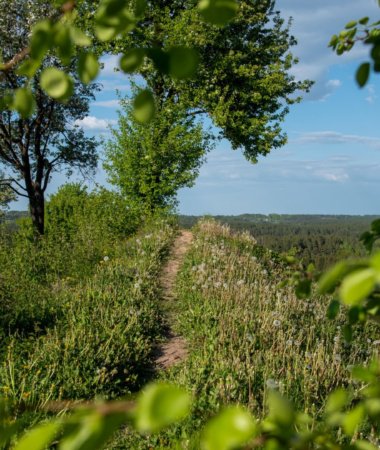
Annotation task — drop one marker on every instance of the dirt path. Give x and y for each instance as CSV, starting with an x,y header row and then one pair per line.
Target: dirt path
x,y
174,349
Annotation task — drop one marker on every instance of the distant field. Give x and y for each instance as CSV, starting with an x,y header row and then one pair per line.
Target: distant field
x,y
322,239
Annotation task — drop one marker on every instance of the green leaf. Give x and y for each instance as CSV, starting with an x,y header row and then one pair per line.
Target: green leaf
x,y
41,40
29,67
362,74
336,401
331,278
347,333
23,102
56,83
113,18
333,309
183,62
365,445
63,42
351,24
132,60
91,431
140,8
39,437
88,67
231,428
79,38
144,107
218,12
159,405
357,286
364,20
281,411
303,289
353,419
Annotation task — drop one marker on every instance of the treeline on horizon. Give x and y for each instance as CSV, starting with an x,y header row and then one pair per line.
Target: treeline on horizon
x,y
320,239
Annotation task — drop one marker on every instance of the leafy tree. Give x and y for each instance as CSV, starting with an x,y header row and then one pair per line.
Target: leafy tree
x,y
149,162
242,82
6,195
33,147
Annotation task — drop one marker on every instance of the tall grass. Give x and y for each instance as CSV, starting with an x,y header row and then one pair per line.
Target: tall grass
x,y
105,324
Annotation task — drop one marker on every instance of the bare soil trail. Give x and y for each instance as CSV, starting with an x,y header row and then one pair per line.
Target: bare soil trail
x,y
174,349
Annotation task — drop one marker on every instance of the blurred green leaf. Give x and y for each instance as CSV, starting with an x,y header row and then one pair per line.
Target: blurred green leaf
x,y
375,226
92,431
336,401
281,411
333,309
364,20
29,67
357,286
352,420
362,74
23,102
88,67
132,60
56,83
140,7
218,12
332,277
183,62
159,405
231,428
39,437
365,445
144,107
63,41
351,24
41,40
113,17
79,37
303,289
347,333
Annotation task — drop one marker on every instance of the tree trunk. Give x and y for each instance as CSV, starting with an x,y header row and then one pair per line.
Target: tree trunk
x,y
37,210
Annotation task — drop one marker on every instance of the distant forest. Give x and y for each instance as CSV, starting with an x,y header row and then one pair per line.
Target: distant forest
x,y
321,239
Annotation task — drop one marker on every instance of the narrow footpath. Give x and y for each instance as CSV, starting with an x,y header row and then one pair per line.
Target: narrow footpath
x,y
174,349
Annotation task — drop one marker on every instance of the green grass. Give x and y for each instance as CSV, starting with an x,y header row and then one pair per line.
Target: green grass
x,y
246,336
105,325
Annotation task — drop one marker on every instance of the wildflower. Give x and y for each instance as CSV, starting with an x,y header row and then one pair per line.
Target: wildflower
x,y
376,342
240,282
289,342
276,323
336,338
106,258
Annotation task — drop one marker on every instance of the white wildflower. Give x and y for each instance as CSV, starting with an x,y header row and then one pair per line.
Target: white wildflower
x,y
276,323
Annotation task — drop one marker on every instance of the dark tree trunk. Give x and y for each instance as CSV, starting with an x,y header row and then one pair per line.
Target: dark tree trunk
x,y
37,209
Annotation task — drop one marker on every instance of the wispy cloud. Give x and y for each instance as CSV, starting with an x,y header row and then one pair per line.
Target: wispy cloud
x,y
107,103
92,123
334,137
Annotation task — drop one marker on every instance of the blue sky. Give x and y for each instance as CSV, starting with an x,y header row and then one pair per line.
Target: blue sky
x,y
332,160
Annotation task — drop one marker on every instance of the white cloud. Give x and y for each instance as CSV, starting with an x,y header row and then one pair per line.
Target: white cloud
x,y
94,124
333,137
107,103
337,175
313,25
371,94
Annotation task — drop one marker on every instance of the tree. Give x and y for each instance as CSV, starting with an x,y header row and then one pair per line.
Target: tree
x,y
242,83
149,162
6,196
33,147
